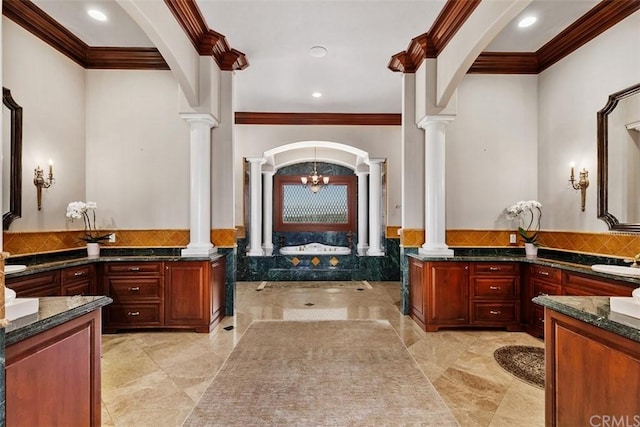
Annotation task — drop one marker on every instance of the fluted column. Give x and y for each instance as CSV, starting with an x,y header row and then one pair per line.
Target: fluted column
x,y
255,247
375,194
363,215
434,164
200,185
267,212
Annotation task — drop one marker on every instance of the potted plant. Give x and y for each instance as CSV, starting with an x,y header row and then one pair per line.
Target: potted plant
x,y
87,211
529,213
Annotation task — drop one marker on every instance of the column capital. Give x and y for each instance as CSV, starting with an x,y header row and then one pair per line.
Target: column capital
x,y
443,118
207,119
259,160
376,161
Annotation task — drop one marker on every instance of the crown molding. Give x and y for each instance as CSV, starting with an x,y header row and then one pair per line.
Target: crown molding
x,y
430,44
596,21
206,41
335,119
600,18
505,63
33,19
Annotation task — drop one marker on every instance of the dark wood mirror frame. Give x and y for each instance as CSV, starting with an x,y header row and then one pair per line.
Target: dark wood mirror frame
x,y
603,165
15,185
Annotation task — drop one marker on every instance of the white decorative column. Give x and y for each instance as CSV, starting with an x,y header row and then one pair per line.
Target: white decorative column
x,y
375,194
434,164
267,212
255,247
363,215
200,185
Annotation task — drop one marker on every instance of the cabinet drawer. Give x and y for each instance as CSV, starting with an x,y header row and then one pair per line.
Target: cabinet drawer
x,y
72,274
542,288
575,284
36,285
494,288
494,313
77,288
546,273
494,268
130,268
134,314
131,289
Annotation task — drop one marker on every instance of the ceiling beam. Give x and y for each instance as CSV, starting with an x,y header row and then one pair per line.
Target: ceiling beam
x,y
334,119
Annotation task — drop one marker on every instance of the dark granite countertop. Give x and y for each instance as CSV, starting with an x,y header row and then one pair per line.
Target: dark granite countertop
x,y
578,263
47,262
594,311
53,311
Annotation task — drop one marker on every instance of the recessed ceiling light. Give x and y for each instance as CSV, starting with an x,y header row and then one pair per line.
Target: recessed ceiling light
x,y
318,51
527,21
316,94
97,15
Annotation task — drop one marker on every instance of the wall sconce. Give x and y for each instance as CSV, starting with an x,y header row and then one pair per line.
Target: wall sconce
x,y
40,182
581,184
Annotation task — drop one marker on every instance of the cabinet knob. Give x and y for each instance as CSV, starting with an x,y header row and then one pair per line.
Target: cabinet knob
x,y
134,288
543,273
79,273
133,313
495,312
134,268
494,268
494,288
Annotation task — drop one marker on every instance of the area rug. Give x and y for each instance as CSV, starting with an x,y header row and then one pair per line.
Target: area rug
x,y
524,362
324,373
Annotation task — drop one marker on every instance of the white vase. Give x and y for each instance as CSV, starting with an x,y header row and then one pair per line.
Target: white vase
x,y
93,250
530,250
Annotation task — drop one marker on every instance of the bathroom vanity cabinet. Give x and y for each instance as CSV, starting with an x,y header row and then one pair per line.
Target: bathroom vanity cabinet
x,y
171,294
454,294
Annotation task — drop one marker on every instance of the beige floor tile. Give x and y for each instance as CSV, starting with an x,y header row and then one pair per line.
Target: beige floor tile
x,y
156,378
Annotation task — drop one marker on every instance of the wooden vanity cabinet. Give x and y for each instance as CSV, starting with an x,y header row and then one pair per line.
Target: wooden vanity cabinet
x,y
46,284
416,291
542,280
137,289
194,294
170,295
80,280
495,294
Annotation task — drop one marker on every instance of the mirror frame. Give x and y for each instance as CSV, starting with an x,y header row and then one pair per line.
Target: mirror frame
x,y
15,184
603,165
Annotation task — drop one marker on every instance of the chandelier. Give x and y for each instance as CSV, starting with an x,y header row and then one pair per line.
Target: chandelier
x,y
314,182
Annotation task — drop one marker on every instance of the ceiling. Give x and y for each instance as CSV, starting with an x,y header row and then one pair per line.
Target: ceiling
x,y
275,35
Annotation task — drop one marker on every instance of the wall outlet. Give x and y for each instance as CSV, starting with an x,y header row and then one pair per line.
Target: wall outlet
x,y
512,238
112,238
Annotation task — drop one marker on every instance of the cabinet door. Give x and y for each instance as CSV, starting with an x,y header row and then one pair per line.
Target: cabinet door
x,y
187,293
447,300
416,291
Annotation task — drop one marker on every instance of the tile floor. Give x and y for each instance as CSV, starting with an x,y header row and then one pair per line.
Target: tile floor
x,y
155,378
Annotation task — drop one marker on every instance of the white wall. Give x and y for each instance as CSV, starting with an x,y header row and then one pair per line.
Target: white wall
x,y
137,150
378,141
491,150
51,90
571,92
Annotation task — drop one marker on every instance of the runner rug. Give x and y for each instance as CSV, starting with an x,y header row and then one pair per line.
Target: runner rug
x,y
345,373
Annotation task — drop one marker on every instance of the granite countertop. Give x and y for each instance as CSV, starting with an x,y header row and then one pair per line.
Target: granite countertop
x,y
578,263
594,311
48,262
53,311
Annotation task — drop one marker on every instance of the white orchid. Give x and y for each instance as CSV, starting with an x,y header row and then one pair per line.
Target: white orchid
x,y
77,210
530,210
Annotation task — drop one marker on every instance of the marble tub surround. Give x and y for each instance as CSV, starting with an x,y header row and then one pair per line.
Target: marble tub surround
x,y
595,311
152,379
